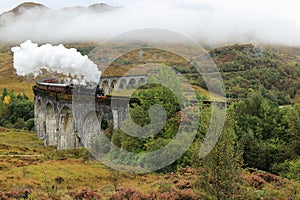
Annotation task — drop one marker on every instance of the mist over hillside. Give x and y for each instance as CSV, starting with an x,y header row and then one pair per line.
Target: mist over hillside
x,y
204,21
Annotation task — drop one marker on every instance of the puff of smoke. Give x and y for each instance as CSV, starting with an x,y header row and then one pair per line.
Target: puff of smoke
x,y
29,59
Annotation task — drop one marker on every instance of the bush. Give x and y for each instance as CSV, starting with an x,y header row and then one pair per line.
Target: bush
x,y
129,194
20,194
289,169
133,194
7,124
20,124
85,194
30,124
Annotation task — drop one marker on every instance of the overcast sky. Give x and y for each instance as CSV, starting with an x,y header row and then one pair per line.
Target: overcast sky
x,y
239,20
283,8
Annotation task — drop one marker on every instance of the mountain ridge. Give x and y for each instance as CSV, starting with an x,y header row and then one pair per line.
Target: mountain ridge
x,y
23,6
19,9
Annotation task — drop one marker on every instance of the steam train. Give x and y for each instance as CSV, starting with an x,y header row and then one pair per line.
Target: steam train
x,y
54,85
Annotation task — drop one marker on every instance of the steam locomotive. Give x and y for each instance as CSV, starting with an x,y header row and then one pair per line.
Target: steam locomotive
x,y
54,85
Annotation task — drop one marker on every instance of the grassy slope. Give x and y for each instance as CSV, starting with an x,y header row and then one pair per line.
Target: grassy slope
x,y
290,54
8,77
39,172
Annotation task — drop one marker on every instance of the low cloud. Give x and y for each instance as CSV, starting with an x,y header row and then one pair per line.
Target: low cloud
x,y
206,22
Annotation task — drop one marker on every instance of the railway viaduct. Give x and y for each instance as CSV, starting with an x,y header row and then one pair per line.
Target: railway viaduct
x,y
69,120
116,83
65,120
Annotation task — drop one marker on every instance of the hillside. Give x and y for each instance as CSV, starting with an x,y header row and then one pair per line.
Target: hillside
x,y
27,6
289,54
244,68
21,8
8,77
27,168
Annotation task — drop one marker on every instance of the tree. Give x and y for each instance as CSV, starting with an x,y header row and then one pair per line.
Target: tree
x,y
261,130
294,127
222,167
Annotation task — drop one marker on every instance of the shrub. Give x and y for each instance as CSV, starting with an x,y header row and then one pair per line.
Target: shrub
x,y
176,195
85,194
30,124
20,194
129,194
289,169
19,124
133,194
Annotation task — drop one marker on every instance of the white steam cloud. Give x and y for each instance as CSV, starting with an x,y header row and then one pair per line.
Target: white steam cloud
x,y
29,58
211,21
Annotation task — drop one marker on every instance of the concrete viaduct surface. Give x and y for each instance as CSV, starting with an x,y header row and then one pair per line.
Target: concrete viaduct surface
x,y
65,120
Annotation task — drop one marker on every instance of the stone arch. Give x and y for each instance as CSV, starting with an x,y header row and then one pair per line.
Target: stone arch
x,y
105,87
50,122
91,127
113,86
123,84
141,81
40,119
132,83
66,135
